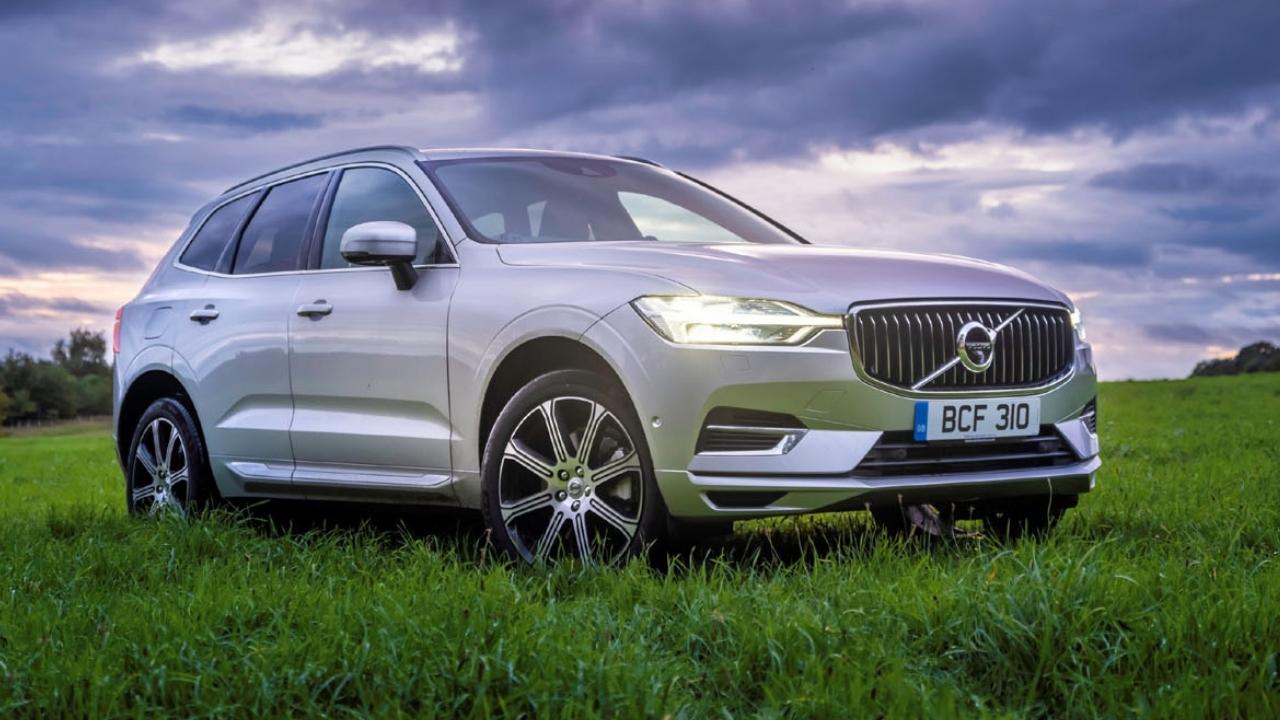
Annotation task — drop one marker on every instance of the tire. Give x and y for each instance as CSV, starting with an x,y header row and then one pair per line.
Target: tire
x,y
1024,517
545,497
167,472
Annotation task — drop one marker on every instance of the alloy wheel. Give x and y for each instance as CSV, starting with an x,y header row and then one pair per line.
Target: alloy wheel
x,y
571,483
161,479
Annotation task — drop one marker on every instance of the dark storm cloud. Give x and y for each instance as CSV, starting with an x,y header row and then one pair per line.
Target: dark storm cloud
x,y
1258,241
1180,333
1224,214
1183,178
689,83
789,77
1079,252
1187,333
263,121
19,303
51,252
559,59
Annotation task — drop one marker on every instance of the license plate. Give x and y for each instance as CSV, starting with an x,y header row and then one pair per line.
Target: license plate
x,y
976,419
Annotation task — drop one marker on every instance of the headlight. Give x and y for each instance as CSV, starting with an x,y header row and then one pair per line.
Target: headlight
x,y
1077,322
707,320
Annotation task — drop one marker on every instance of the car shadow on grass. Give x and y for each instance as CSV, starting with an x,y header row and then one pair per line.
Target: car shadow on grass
x,y
805,542
390,525
766,545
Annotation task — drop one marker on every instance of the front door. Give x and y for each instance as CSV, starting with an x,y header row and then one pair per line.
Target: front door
x,y
368,361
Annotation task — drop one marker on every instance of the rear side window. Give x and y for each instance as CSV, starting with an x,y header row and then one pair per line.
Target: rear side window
x,y
372,194
215,235
273,239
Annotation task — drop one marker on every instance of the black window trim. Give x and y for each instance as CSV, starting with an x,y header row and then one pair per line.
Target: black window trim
x,y
307,231
315,243
195,230
261,190
227,259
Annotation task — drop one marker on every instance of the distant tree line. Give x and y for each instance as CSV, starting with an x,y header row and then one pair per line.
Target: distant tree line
x,y
1258,357
74,382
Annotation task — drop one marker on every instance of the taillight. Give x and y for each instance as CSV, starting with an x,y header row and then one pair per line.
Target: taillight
x,y
115,332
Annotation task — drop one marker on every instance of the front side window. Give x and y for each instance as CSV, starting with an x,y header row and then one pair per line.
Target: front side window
x,y
373,194
567,199
209,244
273,239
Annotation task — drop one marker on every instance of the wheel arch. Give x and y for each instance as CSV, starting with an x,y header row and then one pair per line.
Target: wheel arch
x,y
531,359
142,391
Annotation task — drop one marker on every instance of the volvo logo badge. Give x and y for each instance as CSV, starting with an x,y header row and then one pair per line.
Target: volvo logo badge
x,y
976,346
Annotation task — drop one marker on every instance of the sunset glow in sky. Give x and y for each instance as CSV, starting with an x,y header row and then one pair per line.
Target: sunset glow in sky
x,y
1128,153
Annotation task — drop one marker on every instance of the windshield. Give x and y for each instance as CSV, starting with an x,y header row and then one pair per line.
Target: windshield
x,y
566,199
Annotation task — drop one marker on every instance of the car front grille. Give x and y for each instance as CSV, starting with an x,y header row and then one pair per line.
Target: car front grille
x,y
897,454
904,345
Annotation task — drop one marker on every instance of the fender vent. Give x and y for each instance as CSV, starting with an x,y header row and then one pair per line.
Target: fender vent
x,y
738,500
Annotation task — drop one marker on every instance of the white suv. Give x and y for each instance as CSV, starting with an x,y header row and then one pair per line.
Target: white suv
x,y
597,353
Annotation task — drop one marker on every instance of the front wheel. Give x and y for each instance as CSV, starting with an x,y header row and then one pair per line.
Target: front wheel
x,y
566,473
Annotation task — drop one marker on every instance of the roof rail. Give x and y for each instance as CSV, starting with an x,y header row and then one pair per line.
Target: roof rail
x,y
633,158
402,148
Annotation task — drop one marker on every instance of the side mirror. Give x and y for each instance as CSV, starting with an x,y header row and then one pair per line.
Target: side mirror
x,y
385,242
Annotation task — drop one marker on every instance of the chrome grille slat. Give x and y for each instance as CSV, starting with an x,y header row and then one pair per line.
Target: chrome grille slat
x,y
953,377
901,345
909,345
1006,361
1020,349
922,345
1033,348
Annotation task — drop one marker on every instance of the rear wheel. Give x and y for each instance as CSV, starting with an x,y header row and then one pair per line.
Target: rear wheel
x,y
165,471
566,473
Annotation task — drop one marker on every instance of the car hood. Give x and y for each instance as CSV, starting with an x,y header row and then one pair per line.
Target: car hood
x,y
823,278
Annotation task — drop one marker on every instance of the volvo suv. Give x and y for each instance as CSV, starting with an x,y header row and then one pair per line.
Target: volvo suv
x,y
598,354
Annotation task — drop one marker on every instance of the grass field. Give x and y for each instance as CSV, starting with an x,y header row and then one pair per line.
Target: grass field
x,y
1158,596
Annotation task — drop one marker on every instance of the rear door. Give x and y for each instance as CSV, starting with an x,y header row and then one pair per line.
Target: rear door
x,y
235,339
368,361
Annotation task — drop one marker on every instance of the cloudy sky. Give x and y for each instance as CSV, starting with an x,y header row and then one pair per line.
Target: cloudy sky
x,y
1128,153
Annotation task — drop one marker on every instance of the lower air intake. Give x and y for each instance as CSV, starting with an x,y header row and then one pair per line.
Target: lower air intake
x,y
897,454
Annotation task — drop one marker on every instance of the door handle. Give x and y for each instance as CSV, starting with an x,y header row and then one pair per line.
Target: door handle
x,y
204,314
317,309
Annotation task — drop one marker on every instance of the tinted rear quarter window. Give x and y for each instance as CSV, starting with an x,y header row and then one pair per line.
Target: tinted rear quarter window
x,y
215,235
273,239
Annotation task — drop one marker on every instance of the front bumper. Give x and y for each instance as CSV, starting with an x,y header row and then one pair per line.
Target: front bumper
x,y
674,387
